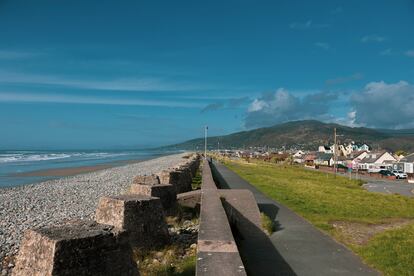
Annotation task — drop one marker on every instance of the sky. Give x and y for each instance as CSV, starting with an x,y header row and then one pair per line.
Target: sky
x,y
133,74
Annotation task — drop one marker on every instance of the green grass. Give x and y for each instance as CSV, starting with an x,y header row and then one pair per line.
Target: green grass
x,y
196,183
391,251
321,198
170,264
267,224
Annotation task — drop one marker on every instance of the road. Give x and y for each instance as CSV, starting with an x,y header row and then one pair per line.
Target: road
x,y
385,186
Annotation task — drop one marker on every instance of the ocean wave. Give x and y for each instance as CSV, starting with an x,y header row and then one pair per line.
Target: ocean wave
x,y
34,157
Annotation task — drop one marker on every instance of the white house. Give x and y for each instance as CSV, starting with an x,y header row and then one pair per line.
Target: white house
x,y
356,157
298,156
325,149
376,161
406,164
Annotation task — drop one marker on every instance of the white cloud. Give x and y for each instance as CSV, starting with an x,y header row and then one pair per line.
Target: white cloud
x,y
283,106
373,38
385,105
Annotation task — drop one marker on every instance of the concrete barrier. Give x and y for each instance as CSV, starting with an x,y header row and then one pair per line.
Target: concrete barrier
x,y
142,217
82,248
104,246
165,192
217,252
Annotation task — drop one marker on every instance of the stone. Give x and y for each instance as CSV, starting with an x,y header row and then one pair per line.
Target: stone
x,y
147,179
180,178
165,192
81,248
141,217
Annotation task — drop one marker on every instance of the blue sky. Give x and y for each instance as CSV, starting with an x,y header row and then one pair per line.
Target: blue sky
x,y
109,74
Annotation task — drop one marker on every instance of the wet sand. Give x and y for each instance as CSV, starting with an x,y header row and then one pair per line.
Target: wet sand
x,y
70,171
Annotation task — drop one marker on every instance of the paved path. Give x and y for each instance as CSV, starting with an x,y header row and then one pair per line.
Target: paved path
x,y
301,248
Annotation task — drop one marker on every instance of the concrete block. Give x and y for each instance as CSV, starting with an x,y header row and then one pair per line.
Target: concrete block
x,y
142,218
81,248
165,192
180,178
147,179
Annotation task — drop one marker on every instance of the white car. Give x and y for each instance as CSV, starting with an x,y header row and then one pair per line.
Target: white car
x,y
399,174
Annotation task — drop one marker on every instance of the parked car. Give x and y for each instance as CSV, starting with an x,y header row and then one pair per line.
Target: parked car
x,y
386,173
400,174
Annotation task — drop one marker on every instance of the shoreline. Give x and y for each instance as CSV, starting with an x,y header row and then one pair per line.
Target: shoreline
x,y
56,201
72,171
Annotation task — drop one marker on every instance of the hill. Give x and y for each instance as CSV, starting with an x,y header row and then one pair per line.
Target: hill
x,y
307,135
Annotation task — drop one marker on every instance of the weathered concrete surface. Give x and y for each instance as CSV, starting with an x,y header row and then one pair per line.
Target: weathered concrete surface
x,y
217,252
297,247
147,179
207,181
82,248
165,192
241,209
142,218
190,199
180,178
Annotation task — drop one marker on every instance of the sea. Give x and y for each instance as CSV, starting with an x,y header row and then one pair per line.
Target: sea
x,y
16,166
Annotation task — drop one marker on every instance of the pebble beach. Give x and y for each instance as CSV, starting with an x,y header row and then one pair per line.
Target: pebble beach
x,y
58,201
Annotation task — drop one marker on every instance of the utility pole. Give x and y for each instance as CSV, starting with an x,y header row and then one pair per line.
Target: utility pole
x,y
335,152
205,141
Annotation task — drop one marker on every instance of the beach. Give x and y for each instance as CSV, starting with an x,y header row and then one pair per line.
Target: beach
x,y
70,198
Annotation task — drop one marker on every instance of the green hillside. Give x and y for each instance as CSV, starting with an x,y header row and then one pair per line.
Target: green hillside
x,y
307,135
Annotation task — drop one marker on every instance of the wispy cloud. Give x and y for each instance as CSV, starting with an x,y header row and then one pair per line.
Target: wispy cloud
x,y
90,99
386,52
307,25
226,104
13,55
212,107
323,45
373,38
345,79
123,84
409,53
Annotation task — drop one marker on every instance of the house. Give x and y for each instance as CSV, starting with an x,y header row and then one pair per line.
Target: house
x,y
376,161
298,157
323,159
325,149
309,159
340,160
355,158
406,164
361,147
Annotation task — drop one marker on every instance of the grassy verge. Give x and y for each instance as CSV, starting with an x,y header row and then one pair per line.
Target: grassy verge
x,y
327,201
267,224
196,183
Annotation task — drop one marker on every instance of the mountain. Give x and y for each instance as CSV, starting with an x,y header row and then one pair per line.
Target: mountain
x,y
308,134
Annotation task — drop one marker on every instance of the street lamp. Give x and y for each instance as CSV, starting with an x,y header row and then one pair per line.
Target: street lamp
x,y
205,141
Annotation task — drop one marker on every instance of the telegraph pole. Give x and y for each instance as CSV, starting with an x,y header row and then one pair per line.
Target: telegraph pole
x,y
335,151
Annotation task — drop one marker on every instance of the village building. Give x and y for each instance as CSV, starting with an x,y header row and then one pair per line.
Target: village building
x,y
376,161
